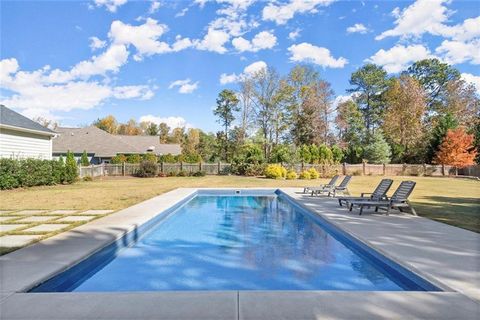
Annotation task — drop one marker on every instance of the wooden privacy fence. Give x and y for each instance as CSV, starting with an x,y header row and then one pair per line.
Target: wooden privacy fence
x,y
128,169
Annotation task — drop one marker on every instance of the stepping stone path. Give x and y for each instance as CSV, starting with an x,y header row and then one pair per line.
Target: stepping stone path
x,y
10,227
75,218
17,240
63,212
5,211
7,218
29,212
97,212
37,219
47,227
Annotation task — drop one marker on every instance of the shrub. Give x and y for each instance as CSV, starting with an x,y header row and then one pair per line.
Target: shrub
x,y
357,173
88,178
147,169
291,175
8,174
58,171
305,175
275,171
84,160
162,175
167,158
150,157
171,174
313,173
182,173
71,170
134,158
119,158
199,174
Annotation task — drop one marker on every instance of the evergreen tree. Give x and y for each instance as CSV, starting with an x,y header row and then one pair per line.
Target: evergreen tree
x,y
445,123
378,150
71,169
337,154
84,160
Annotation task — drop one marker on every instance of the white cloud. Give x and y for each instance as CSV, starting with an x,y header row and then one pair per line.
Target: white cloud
x,y
184,86
340,99
357,28
420,17
262,40
470,78
399,57
214,40
181,13
306,52
45,91
294,34
154,7
172,122
281,13
96,43
200,3
111,5
455,52
145,37
248,71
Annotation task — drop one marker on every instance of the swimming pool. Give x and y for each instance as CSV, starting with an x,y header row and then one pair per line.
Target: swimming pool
x,y
223,240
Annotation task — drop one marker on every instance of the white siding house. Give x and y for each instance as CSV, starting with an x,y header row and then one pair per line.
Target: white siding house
x,y
22,138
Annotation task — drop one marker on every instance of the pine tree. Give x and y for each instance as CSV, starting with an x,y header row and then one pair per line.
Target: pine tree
x,y
84,160
71,169
378,150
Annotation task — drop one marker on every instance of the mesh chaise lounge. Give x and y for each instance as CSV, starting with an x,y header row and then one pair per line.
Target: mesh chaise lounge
x,y
380,193
322,186
398,200
342,187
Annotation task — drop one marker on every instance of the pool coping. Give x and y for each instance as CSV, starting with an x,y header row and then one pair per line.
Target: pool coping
x,y
24,268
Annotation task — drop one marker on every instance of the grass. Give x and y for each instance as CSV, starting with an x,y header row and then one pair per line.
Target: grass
x,y
450,200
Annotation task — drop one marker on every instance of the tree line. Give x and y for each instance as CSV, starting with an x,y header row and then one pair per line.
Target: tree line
x,y
406,118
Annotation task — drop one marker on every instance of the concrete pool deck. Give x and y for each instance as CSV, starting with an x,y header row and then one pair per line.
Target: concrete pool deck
x,y
447,256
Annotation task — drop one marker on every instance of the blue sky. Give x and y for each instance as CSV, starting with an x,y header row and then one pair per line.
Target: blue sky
x,y
76,61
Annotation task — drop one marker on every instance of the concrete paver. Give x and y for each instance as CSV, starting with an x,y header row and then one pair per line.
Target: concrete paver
x,y
16,240
29,212
97,212
75,218
37,219
11,227
47,227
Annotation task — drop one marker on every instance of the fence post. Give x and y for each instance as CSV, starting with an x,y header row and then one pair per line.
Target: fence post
x,y
364,168
424,169
161,167
344,168
303,166
200,166
219,167
404,168
384,169
181,165
123,168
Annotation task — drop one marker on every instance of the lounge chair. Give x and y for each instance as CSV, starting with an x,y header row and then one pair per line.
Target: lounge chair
x,y
380,193
398,200
342,187
322,186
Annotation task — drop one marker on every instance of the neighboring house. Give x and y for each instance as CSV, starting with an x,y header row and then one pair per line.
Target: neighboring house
x,y
22,138
101,146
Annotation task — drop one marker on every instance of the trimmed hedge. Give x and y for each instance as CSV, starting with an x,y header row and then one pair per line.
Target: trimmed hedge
x,y
33,172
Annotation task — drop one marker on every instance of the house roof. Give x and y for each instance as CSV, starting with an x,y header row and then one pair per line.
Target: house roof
x,y
103,144
15,121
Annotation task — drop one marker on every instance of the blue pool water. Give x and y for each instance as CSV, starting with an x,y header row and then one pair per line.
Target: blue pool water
x,y
235,243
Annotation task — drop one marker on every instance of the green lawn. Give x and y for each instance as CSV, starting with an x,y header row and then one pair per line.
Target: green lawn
x,y
449,200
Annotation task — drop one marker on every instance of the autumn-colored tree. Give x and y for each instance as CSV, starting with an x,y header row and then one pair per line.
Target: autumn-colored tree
x,y
402,122
108,124
163,132
457,149
130,128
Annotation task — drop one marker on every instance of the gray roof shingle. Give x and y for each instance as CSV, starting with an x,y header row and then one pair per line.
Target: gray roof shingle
x,y
11,118
103,144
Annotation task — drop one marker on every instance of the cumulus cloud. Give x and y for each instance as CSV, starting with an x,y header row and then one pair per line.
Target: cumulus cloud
x,y
96,43
172,122
399,57
357,28
214,40
470,78
293,35
154,7
248,71
455,52
306,52
110,5
184,86
281,13
262,40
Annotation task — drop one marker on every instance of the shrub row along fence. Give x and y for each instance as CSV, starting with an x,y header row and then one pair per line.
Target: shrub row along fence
x,y
128,169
